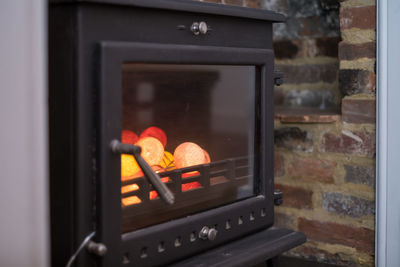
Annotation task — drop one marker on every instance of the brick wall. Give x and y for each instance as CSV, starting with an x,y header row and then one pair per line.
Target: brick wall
x,y
327,170
324,163
306,50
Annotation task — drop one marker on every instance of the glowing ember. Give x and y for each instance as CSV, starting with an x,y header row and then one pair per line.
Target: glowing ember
x,y
167,161
154,194
189,154
152,141
152,150
129,137
136,175
207,156
129,167
156,169
131,201
129,188
190,174
156,133
190,186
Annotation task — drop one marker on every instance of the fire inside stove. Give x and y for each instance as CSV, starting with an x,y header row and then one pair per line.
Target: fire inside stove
x,y
197,128
153,141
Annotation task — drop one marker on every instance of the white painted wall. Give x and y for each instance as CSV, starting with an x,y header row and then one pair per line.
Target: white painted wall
x,y
24,224
388,138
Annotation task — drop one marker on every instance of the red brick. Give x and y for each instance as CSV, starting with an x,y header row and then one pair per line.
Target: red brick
x,y
295,197
288,49
326,47
360,238
311,169
297,98
309,73
354,143
358,110
353,81
279,165
235,2
310,26
354,51
357,174
304,115
293,138
253,3
347,205
358,17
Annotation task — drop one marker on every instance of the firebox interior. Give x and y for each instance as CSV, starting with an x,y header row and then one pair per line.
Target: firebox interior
x,y
205,107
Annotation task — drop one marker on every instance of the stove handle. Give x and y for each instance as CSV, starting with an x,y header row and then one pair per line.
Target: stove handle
x,y
278,78
278,197
152,177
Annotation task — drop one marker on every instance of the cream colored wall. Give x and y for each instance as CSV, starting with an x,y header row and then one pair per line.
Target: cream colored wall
x,y
24,224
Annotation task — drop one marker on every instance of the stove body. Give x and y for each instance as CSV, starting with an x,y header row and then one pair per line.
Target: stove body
x,y
125,64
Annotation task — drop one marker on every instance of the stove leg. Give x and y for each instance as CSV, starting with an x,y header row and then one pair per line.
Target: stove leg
x,y
272,262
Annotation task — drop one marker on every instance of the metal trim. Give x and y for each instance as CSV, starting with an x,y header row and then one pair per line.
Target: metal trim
x,y
190,6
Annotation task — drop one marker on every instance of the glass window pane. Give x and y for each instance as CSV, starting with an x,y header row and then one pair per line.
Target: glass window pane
x,y
196,125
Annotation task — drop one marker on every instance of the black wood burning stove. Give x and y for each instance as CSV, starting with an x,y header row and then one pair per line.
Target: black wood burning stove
x,y
162,134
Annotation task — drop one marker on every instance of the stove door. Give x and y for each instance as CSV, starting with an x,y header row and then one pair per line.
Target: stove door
x,y
203,118
196,125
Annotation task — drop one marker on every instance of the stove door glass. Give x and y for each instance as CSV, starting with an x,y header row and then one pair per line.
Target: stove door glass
x,y
198,127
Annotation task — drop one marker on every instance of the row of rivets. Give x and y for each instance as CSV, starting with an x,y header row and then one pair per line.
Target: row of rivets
x,y
192,237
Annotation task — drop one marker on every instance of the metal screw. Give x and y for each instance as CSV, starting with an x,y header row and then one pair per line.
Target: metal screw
x,y
195,28
208,233
98,249
203,28
199,27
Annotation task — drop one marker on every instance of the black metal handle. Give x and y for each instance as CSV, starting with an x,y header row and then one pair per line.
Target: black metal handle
x,y
152,177
278,197
278,78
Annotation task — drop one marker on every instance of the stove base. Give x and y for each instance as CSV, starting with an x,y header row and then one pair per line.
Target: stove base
x,y
247,251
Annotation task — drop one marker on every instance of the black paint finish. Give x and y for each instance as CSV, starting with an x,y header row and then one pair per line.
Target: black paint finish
x,y
113,55
190,6
247,251
88,42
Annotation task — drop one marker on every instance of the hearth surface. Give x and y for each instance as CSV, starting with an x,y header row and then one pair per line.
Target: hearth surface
x,y
283,261
247,251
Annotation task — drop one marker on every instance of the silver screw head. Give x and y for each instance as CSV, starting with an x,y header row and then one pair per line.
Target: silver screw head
x,y
208,233
212,234
195,28
203,28
98,249
204,232
199,27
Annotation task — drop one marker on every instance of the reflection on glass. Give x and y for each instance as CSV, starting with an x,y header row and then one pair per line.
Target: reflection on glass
x,y
196,125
